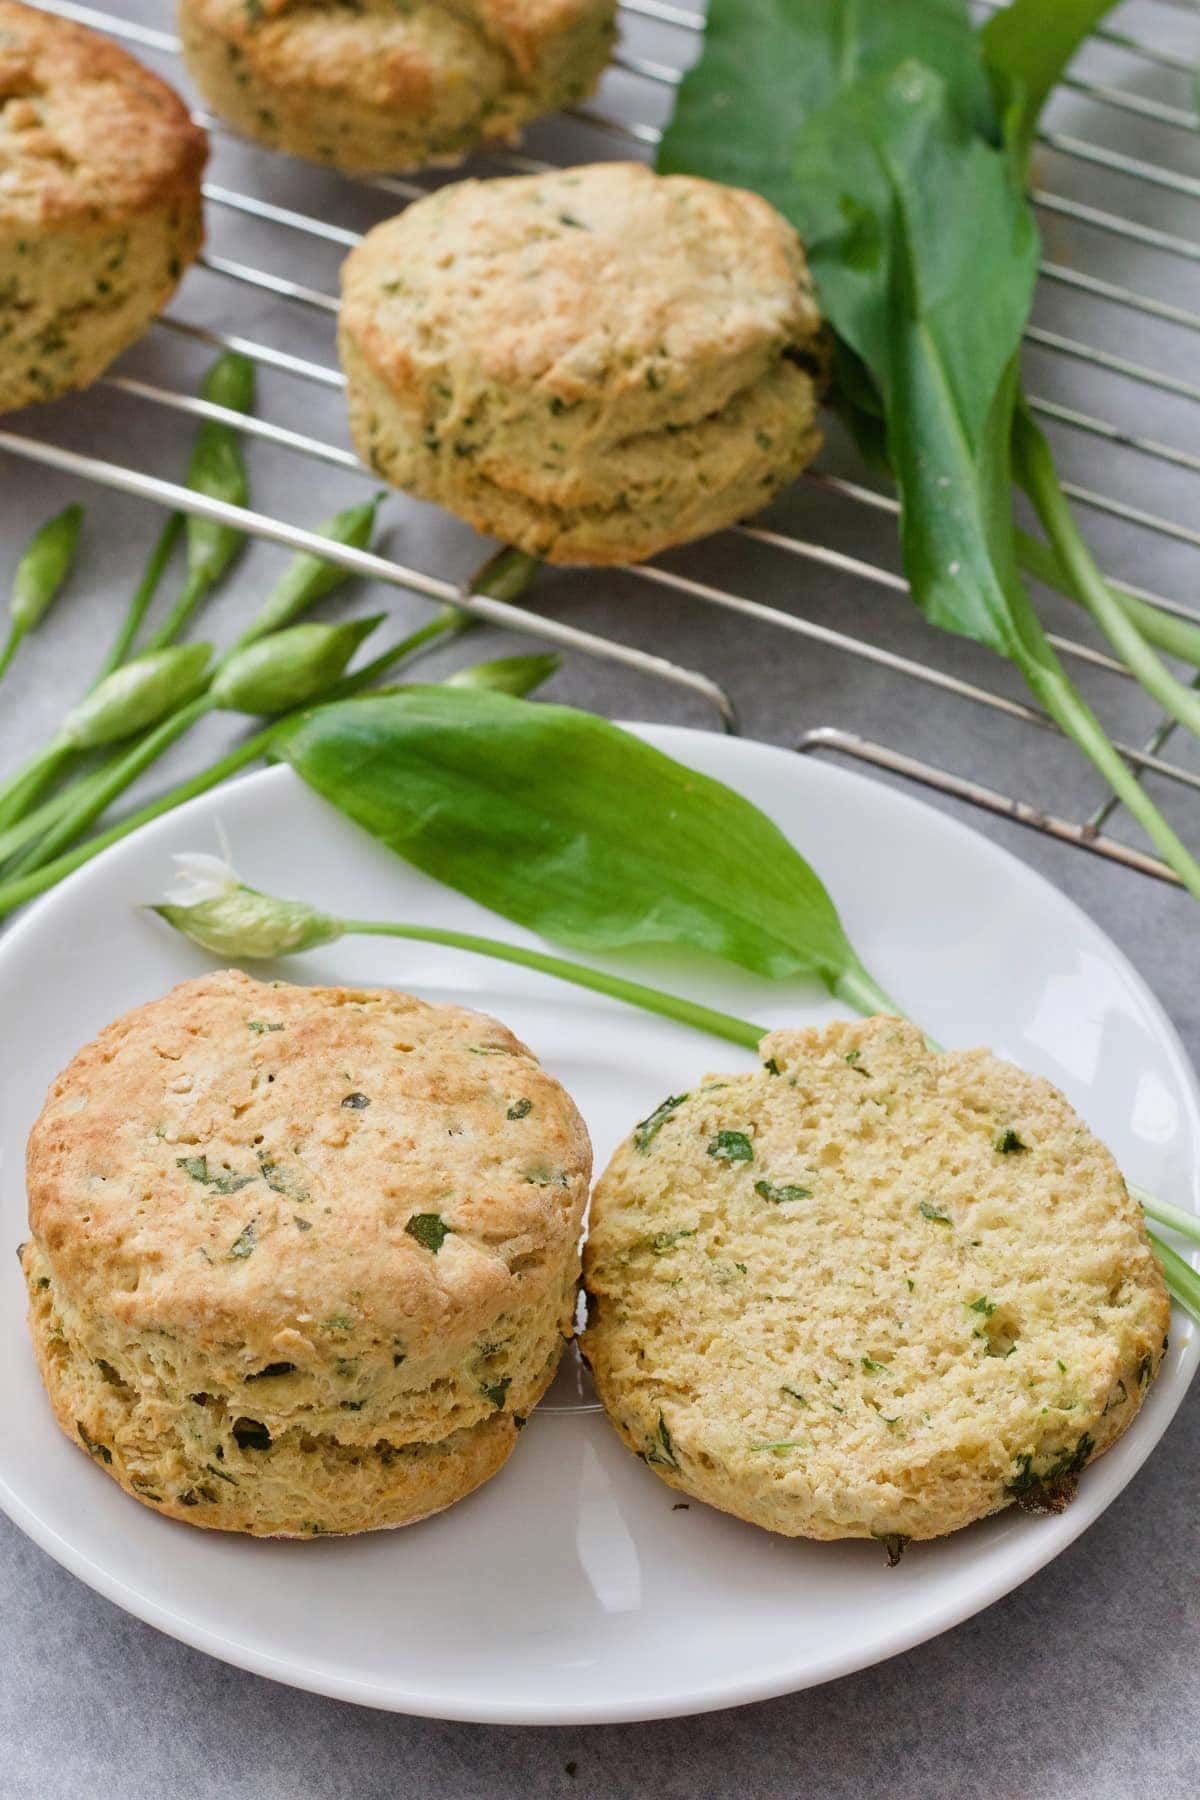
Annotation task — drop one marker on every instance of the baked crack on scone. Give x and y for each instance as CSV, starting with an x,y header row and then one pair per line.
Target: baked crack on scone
x,y
100,203
591,364
870,1290
302,1259
392,84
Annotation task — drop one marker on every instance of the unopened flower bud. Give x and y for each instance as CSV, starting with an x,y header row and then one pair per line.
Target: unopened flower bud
x,y
137,694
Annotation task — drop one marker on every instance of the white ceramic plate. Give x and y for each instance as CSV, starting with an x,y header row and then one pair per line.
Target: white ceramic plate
x,y
570,1590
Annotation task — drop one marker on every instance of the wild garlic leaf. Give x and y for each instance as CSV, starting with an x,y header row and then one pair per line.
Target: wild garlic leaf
x,y
1026,47
925,258
767,65
576,829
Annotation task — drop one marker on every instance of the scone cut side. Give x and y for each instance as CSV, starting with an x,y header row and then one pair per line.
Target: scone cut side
x,y
302,1260
591,364
870,1291
100,203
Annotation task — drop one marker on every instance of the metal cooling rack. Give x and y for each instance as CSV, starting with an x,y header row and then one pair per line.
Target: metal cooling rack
x,y
642,73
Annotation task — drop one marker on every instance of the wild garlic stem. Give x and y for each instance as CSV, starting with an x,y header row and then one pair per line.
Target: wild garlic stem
x,y
192,593
89,803
18,889
1180,1277
1037,474
31,825
21,789
1069,710
634,993
1163,1213
1176,636
143,594
88,798
11,643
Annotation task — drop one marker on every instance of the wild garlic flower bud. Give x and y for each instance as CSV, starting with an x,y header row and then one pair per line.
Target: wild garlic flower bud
x,y
137,694
289,668
44,566
220,913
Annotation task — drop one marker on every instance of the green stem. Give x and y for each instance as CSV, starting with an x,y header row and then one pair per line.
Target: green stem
x,y
15,634
1171,634
90,796
1068,708
143,594
634,993
17,891
861,992
22,787
21,790
1180,1277
115,778
1187,1224
1035,469
194,589
446,623
31,825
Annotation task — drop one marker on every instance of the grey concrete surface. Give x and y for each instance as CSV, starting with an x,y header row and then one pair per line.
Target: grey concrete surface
x,y
1085,1682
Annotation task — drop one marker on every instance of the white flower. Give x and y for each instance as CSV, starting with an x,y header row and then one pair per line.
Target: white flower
x,y
210,905
201,876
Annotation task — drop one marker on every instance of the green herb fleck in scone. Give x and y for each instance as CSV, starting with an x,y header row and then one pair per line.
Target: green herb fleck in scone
x,y
870,1291
295,1280
381,86
591,364
100,207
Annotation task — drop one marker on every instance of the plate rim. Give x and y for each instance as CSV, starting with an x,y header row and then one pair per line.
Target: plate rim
x,y
957,1607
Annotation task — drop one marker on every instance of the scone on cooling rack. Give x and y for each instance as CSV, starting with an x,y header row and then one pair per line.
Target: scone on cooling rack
x,y
591,364
100,205
302,1259
870,1290
381,86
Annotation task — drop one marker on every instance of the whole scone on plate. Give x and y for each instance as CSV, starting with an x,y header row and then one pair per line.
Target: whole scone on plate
x,y
302,1259
378,86
591,364
870,1290
100,204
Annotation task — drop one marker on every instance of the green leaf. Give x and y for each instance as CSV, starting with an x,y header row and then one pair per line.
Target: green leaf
x,y
1027,46
767,65
925,258
925,253
732,1147
574,828
768,1190
647,1129
429,1229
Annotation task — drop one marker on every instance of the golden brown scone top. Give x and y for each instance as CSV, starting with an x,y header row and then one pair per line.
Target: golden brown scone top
x,y
370,49
241,1161
85,131
602,279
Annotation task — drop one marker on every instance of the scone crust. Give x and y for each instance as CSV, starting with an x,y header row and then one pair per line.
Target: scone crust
x,y
344,1217
100,202
380,87
871,1290
87,135
592,363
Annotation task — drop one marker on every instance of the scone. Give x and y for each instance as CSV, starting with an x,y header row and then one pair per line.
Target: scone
x,y
100,206
302,1259
870,1290
591,364
380,86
